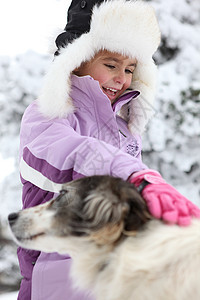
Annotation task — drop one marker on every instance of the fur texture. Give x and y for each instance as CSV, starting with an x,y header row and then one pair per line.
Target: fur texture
x,y
118,250
126,27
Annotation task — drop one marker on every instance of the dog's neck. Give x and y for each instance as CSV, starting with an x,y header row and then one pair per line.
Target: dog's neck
x,y
89,262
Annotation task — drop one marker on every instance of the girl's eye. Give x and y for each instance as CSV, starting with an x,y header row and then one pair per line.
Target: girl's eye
x,y
129,71
109,66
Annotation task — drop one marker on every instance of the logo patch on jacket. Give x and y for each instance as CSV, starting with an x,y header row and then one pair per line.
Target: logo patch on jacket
x,y
132,148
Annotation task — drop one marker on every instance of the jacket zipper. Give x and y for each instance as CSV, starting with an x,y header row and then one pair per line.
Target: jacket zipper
x,y
122,133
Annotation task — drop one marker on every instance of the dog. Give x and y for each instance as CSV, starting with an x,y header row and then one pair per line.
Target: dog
x,y
103,222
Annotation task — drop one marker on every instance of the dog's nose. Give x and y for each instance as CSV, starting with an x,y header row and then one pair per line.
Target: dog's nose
x,y
12,218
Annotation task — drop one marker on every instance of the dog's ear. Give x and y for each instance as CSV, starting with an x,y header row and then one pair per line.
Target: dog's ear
x,y
136,214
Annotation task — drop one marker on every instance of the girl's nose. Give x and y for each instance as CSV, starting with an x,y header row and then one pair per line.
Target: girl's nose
x,y
120,78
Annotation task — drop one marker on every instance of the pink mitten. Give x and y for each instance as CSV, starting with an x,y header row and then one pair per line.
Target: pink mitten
x,y
164,201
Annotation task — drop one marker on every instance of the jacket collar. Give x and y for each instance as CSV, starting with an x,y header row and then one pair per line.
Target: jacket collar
x,y
89,87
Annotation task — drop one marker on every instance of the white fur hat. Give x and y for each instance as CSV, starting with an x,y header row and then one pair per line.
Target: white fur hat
x,y
126,27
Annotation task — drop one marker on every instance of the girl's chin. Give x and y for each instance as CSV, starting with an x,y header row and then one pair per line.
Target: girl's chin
x,y
111,95
112,99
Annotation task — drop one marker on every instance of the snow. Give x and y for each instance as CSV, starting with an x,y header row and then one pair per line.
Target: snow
x,y
9,296
30,24
7,165
172,141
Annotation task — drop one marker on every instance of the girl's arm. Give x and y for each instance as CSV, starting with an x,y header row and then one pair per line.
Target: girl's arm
x,y
59,154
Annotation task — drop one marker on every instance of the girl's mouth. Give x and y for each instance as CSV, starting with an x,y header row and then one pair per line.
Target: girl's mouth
x,y
110,92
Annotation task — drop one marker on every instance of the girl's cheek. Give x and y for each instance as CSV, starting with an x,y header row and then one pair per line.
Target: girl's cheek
x,y
129,82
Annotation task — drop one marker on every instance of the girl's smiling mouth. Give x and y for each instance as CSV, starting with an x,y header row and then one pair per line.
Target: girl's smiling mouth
x,y
110,92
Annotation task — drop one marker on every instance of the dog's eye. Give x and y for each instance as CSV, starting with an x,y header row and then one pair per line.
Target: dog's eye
x,y
63,192
64,198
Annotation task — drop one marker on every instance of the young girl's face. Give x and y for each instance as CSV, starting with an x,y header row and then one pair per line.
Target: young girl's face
x,y
113,72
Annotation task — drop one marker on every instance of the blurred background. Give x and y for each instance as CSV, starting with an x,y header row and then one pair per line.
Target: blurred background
x,y
172,141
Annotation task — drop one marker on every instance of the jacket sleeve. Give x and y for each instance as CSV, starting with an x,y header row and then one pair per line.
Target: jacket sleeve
x,y
59,154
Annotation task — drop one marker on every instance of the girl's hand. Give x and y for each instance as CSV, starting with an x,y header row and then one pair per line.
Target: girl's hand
x,y
164,201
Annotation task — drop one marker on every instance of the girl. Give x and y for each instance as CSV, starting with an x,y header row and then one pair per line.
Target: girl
x,y
95,103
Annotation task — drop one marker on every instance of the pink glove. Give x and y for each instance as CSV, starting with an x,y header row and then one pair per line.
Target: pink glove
x,y
164,201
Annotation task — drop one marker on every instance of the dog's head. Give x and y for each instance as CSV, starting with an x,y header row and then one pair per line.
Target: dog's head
x,y
97,208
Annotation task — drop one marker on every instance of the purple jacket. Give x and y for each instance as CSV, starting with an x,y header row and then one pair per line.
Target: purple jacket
x,y
92,140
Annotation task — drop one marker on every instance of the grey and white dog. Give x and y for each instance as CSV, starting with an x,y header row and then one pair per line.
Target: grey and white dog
x,y
103,222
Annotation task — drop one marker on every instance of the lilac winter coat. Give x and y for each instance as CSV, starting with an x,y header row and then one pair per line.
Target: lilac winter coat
x,y
92,140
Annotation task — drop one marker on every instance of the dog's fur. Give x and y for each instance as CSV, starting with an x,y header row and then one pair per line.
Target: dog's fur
x,y
119,251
